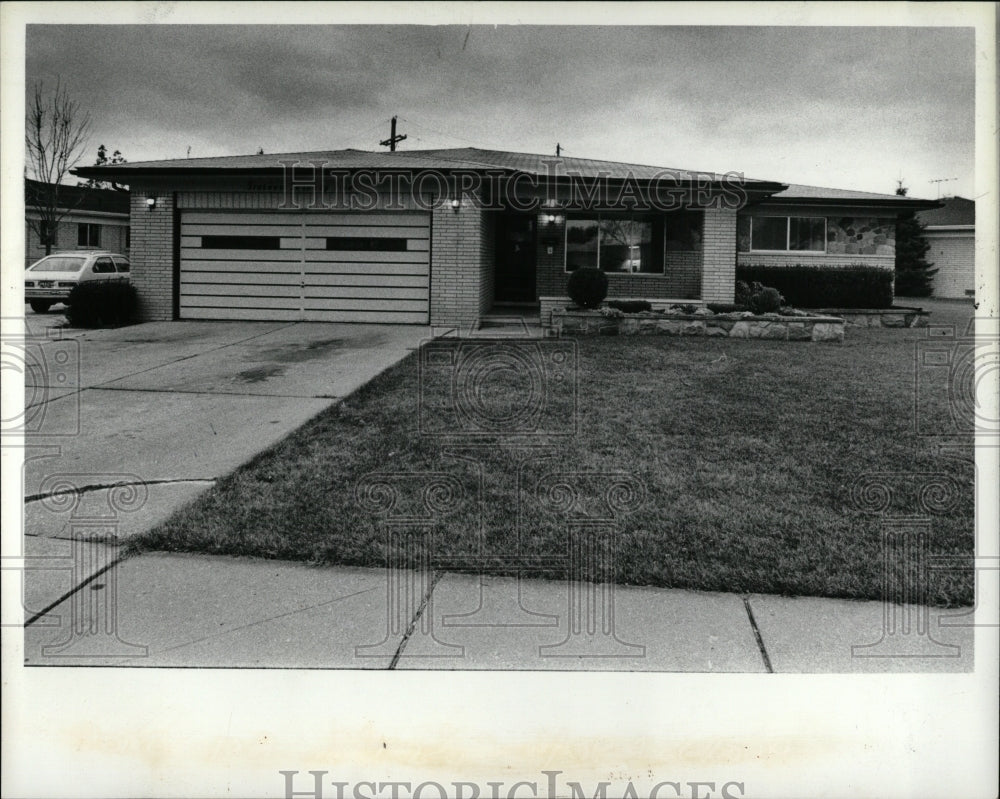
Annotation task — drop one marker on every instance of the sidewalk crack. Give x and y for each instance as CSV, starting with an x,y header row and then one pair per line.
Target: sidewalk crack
x,y
105,486
757,635
424,601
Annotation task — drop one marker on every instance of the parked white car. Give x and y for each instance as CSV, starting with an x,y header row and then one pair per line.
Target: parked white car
x,y
51,279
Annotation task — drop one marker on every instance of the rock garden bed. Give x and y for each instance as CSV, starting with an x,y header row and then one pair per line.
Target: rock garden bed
x,y
881,317
789,325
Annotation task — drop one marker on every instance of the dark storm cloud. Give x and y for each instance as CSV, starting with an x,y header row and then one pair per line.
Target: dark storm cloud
x,y
764,100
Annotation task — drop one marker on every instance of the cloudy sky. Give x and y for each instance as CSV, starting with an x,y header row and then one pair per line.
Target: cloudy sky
x,y
845,107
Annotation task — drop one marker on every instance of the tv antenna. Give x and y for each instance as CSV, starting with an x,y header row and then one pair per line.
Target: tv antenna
x,y
939,181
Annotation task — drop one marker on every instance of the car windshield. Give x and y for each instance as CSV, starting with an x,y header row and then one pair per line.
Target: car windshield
x,y
59,264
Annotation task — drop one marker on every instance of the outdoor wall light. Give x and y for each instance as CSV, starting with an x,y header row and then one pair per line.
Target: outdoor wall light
x,y
551,219
456,204
151,203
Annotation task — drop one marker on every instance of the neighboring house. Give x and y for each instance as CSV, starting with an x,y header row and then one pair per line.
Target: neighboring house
x,y
441,237
951,232
94,219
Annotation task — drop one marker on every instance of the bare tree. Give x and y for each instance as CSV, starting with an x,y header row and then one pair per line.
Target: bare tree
x,y
56,134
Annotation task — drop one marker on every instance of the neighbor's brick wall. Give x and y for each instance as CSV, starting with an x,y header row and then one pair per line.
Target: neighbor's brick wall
x,y
153,254
67,235
718,270
457,244
953,254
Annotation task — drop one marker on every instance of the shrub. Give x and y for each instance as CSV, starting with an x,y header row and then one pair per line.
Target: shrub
x,y
767,300
630,306
102,303
685,309
587,287
854,286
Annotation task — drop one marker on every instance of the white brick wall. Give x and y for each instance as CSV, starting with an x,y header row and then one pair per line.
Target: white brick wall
x,y
152,253
718,257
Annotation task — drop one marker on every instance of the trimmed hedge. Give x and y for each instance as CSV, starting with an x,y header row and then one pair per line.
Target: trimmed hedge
x,y
102,303
802,286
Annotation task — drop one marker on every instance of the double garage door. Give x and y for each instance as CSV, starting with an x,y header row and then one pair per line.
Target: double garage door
x,y
330,267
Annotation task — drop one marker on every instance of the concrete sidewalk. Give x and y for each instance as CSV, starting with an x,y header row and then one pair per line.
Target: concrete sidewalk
x,y
209,611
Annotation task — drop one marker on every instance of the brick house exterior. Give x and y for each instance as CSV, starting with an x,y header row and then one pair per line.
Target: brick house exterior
x,y
91,219
441,237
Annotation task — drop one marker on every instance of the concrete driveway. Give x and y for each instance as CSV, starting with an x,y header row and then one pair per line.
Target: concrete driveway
x,y
162,410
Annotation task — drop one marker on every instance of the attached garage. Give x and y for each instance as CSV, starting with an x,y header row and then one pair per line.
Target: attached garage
x,y
320,267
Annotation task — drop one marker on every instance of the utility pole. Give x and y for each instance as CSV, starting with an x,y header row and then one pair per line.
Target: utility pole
x,y
393,138
558,149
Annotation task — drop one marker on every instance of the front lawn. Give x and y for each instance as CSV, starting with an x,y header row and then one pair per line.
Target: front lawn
x,y
745,452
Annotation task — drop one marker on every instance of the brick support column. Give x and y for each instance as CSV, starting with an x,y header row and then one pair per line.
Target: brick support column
x,y
718,257
459,240
152,253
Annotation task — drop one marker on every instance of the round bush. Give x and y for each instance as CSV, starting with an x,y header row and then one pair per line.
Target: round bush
x,y
767,300
587,287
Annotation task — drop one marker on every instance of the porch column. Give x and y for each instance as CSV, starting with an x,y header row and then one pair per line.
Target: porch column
x,y
718,255
458,266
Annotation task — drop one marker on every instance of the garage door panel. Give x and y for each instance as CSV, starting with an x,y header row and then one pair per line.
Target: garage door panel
x,y
238,278
314,253
374,317
240,255
303,279
241,219
401,281
359,268
255,267
388,232
242,302
351,304
368,220
240,230
245,289
244,314
364,293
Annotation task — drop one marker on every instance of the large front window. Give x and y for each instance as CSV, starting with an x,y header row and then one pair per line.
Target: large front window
x,y
788,233
632,244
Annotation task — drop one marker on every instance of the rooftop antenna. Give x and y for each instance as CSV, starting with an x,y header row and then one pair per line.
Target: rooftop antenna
x,y
939,181
558,149
189,151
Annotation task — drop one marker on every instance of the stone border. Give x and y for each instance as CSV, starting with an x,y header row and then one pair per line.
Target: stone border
x,y
566,322
897,316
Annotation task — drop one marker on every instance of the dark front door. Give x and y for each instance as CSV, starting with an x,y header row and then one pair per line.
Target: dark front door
x,y
515,258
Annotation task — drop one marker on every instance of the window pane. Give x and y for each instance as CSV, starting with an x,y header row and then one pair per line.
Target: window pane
x,y
770,233
366,243
625,244
103,266
682,231
241,242
807,233
581,243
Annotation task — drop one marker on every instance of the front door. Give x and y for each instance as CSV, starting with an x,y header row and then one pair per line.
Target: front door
x,y
515,258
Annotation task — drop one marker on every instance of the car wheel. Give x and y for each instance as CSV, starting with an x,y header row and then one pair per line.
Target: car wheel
x,y
40,306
